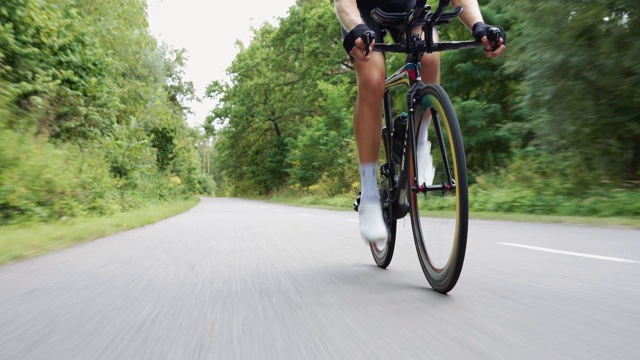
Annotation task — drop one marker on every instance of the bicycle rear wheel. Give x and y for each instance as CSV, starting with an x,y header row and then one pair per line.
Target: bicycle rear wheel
x,y
383,254
440,238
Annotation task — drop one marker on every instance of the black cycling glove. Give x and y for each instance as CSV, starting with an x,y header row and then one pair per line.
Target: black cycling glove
x,y
481,30
349,40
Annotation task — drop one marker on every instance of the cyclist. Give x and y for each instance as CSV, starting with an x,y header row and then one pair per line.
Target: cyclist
x,y
354,16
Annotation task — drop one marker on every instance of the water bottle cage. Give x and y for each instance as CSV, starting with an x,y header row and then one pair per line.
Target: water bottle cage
x,y
398,137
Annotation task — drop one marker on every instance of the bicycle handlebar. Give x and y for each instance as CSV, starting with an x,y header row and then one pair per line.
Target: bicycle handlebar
x,y
436,16
420,15
367,38
493,35
418,11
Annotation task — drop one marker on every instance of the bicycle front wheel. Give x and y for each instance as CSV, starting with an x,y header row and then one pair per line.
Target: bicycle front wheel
x,y
439,200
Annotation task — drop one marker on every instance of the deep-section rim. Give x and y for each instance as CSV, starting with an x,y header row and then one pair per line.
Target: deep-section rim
x,y
444,279
383,257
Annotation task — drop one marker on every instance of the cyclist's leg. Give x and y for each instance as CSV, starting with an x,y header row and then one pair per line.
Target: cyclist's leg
x,y
368,123
368,132
431,65
370,77
430,74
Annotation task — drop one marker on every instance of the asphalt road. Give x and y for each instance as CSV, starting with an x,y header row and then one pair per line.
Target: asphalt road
x,y
236,279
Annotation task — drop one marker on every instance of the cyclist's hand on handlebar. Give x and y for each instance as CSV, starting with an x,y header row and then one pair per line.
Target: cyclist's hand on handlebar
x,y
361,51
492,37
359,42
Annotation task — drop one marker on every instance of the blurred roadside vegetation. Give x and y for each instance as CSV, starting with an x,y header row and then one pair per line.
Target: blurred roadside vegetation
x,y
92,120
552,127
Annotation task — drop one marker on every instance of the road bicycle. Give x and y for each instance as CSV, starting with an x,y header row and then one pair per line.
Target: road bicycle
x,y
407,183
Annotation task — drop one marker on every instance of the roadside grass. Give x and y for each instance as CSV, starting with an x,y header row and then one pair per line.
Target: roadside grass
x,y
345,202
22,241
27,240
338,202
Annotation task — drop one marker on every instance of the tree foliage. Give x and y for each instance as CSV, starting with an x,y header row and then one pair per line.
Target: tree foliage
x,y
91,111
277,86
581,81
484,95
559,110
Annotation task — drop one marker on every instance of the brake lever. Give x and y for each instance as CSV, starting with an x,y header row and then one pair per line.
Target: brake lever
x,y
367,37
493,35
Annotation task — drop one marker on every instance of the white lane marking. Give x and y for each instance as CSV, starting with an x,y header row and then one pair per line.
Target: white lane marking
x,y
608,258
354,221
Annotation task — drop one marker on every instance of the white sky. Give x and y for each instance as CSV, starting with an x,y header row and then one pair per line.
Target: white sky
x,y
208,31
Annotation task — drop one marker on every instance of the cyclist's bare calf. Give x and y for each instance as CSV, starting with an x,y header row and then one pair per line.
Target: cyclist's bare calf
x,y
370,76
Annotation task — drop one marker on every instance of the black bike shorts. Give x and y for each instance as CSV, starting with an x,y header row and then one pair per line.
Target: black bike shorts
x,y
390,6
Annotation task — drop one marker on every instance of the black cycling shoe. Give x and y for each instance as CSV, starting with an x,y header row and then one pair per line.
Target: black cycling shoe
x,y
356,203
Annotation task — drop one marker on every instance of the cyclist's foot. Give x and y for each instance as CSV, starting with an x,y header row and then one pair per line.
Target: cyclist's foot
x,y
372,227
426,172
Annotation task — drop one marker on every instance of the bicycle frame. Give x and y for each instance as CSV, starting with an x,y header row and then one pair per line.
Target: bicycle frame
x,y
409,75
400,187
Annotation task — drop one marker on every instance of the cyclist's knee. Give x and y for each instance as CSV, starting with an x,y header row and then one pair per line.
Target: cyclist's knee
x,y
371,75
431,61
431,68
371,83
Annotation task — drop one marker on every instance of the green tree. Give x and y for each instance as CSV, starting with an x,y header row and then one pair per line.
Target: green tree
x,y
274,94
92,115
324,152
54,67
484,95
581,84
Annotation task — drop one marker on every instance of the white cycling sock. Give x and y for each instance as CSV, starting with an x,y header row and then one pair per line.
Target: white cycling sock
x,y
368,172
426,171
372,226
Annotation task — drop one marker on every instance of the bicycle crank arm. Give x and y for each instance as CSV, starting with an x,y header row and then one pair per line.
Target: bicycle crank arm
x,y
431,188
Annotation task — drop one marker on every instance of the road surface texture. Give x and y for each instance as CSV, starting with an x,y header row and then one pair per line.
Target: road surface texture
x,y
238,279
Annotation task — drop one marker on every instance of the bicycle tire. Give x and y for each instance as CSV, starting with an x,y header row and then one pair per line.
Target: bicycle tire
x,y
439,235
383,256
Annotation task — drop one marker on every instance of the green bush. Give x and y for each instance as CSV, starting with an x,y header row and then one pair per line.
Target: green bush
x,y
535,183
42,181
91,113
